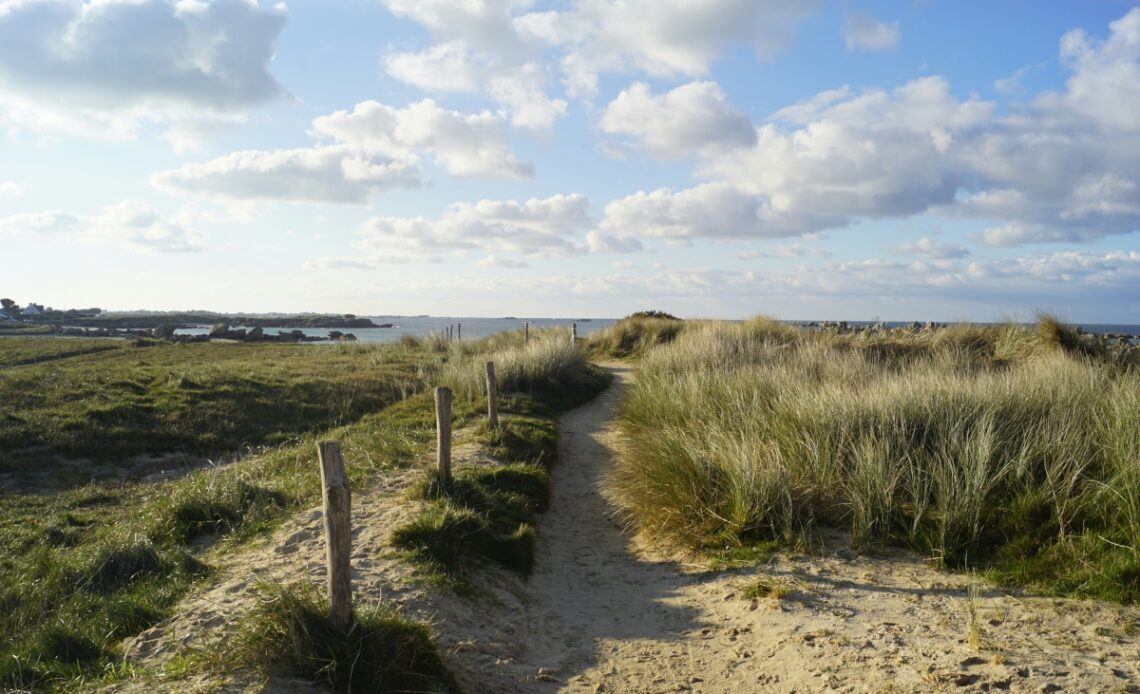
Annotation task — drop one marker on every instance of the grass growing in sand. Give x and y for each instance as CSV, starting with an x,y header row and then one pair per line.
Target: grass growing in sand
x,y
1011,448
95,552
488,512
379,652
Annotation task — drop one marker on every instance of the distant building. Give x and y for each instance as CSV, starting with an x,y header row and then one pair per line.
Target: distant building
x,y
34,310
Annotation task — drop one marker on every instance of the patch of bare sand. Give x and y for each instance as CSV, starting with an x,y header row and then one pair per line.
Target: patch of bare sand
x,y
601,615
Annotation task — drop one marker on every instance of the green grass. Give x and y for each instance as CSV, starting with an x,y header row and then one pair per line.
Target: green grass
x,y
1007,448
31,350
197,399
86,562
380,652
487,512
84,565
635,335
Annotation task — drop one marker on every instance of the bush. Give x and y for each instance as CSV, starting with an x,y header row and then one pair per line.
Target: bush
x,y
380,652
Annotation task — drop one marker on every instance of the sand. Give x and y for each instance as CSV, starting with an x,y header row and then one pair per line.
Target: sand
x,y
602,613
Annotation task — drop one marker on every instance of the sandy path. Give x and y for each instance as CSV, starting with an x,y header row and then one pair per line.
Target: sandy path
x,y
599,615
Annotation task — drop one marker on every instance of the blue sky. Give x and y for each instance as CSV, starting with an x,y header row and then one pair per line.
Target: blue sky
x,y
922,160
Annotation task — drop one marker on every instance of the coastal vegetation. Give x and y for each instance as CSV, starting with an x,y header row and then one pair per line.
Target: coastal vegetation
x,y
1012,449
127,472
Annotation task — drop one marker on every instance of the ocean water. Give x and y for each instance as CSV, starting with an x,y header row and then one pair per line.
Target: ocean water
x,y
473,328
419,326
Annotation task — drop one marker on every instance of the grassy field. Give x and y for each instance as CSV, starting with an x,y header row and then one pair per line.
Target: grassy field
x,y
1007,448
91,554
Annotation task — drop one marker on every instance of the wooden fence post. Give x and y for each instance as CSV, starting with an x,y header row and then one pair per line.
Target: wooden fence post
x,y
492,397
526,333
459,332
573,333
443,433
338,533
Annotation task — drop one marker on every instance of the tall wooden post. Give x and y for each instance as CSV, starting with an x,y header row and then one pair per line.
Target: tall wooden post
x,y
573,333
526,333
443,433
338,533
492,397
459,332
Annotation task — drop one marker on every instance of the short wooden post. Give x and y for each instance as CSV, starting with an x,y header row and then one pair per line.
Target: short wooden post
x,y
338,533
459,332
443,433
526,333
573,333
492,397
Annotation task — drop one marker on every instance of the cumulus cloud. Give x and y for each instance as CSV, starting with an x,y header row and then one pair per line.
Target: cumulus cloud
x,y
336,173
536,226
376,148
499,47
130,225
492,261
933,248
1062,168
876,154
663,38
679,123
463,144
864,33
63,63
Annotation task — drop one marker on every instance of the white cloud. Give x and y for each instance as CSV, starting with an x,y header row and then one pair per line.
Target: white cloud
x,y
864,33
787,250
492,261
444,67
680,122
377,149
51,222
336,173
130,225
536,226
10,189
663,38
710,210
119,63
463,144
1105,84
933,248
499,47
878,154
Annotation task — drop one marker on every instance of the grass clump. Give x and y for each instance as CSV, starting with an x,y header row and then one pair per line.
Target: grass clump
x,y
1012,448
635,335
488,512
379,652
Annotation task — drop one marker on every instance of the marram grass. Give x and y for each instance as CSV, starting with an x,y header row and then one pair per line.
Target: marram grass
x,y
1012,448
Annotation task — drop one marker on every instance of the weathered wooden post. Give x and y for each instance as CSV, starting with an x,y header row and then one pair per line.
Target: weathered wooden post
x,y
492,397
573,333
526,333
443,433
459,332
338,533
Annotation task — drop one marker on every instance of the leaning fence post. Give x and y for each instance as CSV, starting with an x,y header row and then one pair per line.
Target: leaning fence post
x,y
443,433
492,397
338,533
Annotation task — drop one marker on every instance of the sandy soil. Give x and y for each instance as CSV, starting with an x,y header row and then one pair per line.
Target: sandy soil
x,y
601,614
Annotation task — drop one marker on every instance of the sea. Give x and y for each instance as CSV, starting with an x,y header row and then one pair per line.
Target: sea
x,y
467,327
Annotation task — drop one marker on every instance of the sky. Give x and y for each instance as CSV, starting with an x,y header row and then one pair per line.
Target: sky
x,y
807,160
